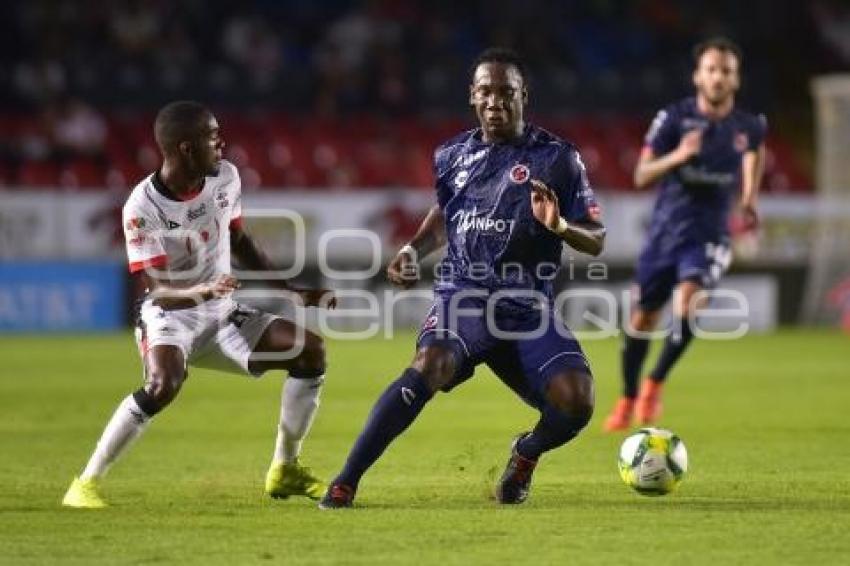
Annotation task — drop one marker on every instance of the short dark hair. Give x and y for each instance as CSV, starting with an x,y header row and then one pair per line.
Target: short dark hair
x,y
179,121
501,55
723,44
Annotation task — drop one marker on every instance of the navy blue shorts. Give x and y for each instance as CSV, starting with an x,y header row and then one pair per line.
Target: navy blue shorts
x,y
524,347
658,274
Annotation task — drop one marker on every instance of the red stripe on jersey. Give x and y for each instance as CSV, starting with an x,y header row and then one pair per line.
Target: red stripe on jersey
x,y
158,262
236,223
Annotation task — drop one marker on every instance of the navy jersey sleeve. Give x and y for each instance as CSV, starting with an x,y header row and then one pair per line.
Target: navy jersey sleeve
x,y
441,176
757,133
575,195
663,135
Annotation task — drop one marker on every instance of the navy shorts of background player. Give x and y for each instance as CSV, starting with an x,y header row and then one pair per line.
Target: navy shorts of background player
x,y
500,258
689,236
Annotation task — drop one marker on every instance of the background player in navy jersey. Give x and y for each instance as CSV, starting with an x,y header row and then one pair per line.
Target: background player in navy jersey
x,y
700,149
509,195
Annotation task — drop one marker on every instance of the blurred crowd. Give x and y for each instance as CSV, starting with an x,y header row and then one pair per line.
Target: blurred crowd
x,y
71,66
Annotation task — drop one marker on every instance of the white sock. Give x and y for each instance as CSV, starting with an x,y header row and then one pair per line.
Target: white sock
x,y
127,423
298,405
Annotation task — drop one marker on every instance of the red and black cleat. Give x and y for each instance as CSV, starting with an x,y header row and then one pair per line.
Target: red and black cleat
x,y
515,483
338,496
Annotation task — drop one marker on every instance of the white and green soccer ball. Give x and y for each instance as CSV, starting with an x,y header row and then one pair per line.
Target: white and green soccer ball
x,y
653,461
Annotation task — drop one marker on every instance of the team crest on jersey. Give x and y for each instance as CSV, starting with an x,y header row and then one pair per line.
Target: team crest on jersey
x,y
222,201
741,142
519,173
135,223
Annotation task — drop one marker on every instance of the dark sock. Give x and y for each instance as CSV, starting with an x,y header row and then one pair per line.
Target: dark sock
x,y
555,428
146,403
395,409
674,346
633,354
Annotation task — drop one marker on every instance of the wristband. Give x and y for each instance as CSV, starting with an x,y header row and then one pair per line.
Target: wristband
x,y
561,227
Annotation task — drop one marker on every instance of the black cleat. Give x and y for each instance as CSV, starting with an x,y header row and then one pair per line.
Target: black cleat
x,y
338,496
515,482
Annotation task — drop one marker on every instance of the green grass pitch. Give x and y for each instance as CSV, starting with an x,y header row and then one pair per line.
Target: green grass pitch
x,y
765,420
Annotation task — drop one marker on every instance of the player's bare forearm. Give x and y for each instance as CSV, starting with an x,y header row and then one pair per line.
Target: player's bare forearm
x,y
431,234
250,256
752,172
650,169
403,270
171,295
586,237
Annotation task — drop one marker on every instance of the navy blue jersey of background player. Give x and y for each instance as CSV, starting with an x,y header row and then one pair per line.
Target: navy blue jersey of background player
x,y
688,235
695,199
483,190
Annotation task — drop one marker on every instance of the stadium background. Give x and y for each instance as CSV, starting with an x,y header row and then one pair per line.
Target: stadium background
x,y
333,109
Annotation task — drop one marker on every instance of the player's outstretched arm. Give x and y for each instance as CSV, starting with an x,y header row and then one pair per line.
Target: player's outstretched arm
x,y
651,168
250,256
170,295
403,270
587,236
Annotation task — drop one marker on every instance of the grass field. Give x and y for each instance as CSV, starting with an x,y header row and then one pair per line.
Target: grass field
x,y
764,419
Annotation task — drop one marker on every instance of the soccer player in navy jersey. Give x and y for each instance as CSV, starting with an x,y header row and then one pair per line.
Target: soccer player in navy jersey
x,y
509,195
699,150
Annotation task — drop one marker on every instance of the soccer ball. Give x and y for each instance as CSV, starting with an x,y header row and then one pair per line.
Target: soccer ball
x,y
653,461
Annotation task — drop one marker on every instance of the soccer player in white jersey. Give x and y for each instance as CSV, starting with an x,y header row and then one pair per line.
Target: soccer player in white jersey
x,y
181,225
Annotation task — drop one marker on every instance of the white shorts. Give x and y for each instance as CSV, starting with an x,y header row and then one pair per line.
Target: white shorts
x,y
218,334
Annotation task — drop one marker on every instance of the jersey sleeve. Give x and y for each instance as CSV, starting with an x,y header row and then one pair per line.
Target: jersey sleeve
x,y
758,131
663,135
143,237
236,211
234,197
575,195
441,177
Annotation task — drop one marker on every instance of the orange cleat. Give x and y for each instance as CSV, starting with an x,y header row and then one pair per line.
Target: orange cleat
x,y
648,406
621,417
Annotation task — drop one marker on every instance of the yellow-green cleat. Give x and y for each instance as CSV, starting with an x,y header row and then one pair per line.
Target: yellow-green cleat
x,y
283,480
84,494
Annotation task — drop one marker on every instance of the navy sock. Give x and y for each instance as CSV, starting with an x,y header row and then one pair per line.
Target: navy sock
x,y
674,346
555,428
394,411
633,354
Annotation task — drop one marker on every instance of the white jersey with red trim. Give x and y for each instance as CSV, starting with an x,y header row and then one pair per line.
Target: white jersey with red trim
x,y
183,240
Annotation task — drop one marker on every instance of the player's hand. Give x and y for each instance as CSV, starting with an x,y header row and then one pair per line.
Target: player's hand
x,y
544,205
220,287
749,216
318,298
690,145
403,270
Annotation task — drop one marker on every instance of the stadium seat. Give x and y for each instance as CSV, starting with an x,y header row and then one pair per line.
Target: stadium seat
x,y
280,150
38,174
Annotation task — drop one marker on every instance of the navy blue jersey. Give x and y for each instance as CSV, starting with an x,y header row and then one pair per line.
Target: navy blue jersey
x,y
695,198
483,189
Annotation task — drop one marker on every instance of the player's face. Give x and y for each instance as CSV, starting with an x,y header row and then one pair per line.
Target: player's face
x,y
498,95
210,147
716,76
